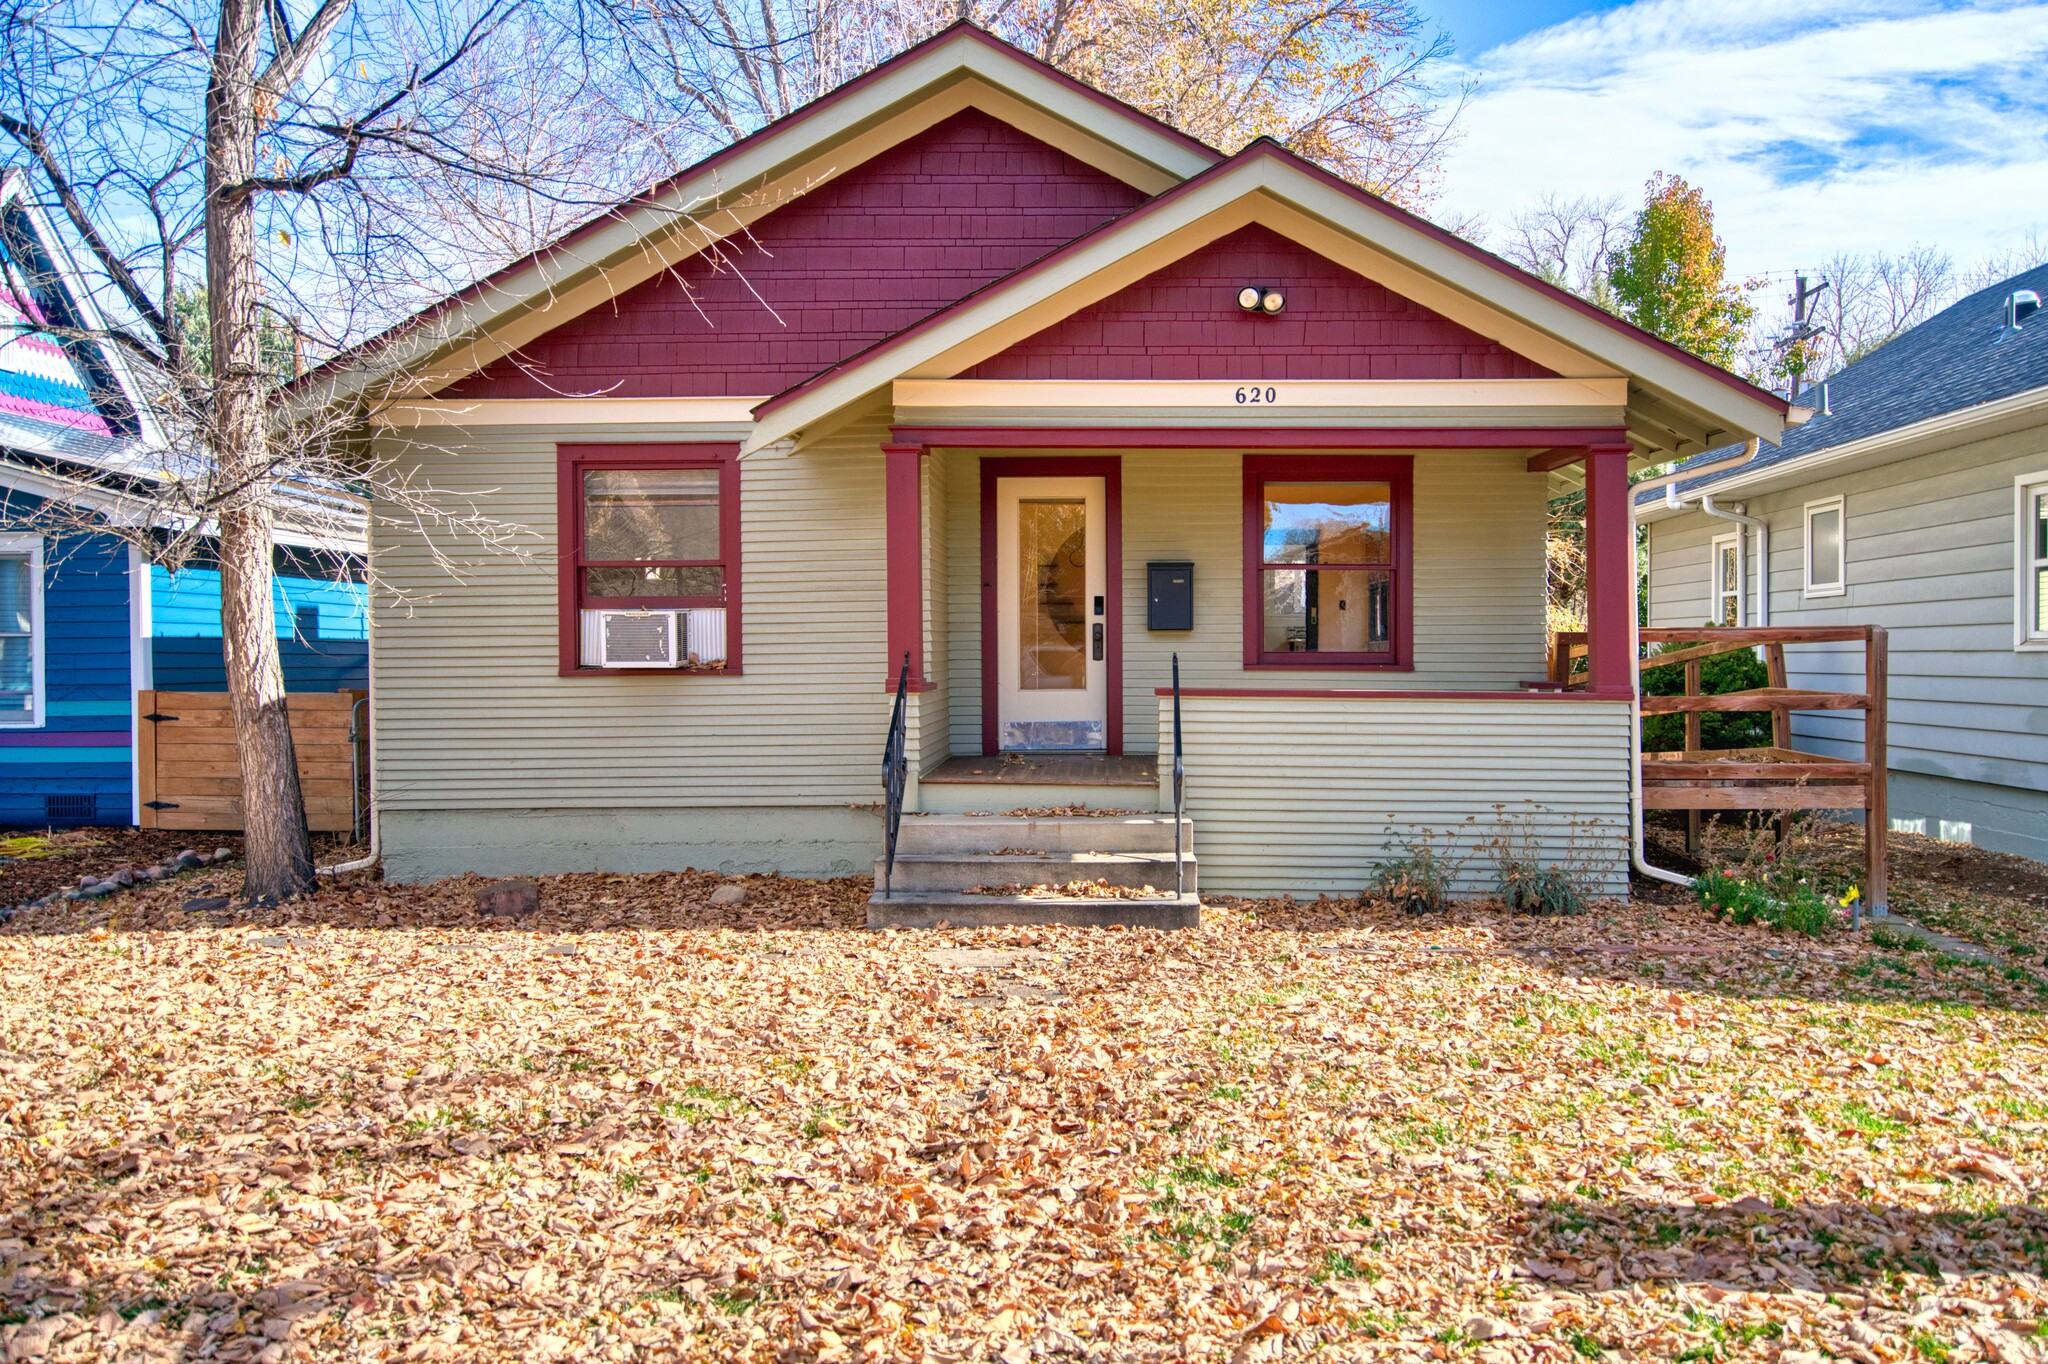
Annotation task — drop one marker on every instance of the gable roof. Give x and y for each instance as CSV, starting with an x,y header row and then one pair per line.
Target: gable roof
x,y
1672,391
1962,358
961,66
63,393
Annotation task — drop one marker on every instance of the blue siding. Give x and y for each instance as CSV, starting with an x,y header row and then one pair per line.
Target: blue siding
x,y
86,686
322,627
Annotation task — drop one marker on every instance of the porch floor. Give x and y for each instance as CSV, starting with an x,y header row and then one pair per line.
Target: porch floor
x,y
1047,769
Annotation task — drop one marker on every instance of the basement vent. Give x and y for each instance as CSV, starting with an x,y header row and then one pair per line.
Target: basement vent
x,y
68,809
2020,305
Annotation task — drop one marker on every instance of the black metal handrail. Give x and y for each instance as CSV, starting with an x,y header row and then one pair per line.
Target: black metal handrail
x,y
895,775
1179,778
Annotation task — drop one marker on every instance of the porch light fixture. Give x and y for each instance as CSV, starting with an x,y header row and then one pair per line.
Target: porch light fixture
x,y
1254,298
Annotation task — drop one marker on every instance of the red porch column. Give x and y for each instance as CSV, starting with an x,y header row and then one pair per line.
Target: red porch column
x,y
903,495
1610,570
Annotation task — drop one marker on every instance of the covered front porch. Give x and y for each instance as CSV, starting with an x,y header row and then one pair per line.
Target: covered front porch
x,y
1313,743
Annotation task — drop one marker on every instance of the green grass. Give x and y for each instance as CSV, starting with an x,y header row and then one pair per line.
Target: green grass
x,y
1868,1121
1930,1347
1584,1345
698,1103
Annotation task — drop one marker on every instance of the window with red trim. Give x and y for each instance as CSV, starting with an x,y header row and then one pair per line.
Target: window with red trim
x,y
1327,561
650,530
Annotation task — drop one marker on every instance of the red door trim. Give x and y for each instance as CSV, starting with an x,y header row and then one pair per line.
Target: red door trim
x,y
1109,468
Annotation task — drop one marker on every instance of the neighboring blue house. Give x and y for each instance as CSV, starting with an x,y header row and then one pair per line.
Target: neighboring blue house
x,y
85,621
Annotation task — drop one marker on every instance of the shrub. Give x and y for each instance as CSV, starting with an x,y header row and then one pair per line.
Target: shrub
x,y
1737,671
1527,888
1417,882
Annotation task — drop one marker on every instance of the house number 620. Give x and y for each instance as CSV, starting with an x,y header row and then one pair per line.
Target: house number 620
x,y
1255,394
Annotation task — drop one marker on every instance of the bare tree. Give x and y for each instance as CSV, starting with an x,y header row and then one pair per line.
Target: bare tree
x,y
267,170
2030,251
1569,241
1349,83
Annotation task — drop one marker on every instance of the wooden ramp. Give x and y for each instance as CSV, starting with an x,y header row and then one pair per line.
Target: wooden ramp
x,y
191,779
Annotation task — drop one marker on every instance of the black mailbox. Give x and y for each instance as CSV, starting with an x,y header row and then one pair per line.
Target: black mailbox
x,y
1171,594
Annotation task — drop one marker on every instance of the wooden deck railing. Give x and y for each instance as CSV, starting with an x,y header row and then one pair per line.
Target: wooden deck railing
x,y
1776,776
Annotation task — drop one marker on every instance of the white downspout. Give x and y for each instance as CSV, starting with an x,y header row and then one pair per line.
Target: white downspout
x,y
1637,857
1763,552
1636,853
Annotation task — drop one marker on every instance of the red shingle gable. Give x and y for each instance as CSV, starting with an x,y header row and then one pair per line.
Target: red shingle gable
x,y
1183,322
855,260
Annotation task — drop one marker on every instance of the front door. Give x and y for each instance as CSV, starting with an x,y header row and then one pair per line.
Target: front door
x,y
1052,689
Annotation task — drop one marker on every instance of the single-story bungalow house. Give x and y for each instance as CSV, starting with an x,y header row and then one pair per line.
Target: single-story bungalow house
x,y
969,377
1915,499
86,621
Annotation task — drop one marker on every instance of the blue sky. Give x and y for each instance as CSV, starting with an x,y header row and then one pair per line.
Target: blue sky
x,y
1814,127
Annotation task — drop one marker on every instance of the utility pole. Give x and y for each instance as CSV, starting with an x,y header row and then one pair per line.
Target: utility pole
x,y
1802,323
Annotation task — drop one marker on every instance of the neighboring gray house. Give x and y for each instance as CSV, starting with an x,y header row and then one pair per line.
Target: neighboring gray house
x,y
1916,498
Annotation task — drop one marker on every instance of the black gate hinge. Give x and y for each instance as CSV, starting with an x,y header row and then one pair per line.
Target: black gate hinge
x,y
161,804
154,716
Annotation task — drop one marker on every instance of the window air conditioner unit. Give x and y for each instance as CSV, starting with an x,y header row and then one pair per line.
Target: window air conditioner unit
x,y
637,639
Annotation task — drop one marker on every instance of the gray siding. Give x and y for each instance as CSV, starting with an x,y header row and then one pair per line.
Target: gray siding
x,y
1930,544
1306,794
1479,581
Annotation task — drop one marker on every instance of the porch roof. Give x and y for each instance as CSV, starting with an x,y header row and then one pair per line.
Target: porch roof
x,y
1673,403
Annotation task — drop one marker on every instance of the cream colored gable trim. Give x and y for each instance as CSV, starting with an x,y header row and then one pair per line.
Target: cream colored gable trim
x,y
778,164
1269,191
1230,394
473,414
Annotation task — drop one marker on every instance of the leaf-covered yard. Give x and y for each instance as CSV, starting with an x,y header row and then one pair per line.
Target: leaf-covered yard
x,y
641,1126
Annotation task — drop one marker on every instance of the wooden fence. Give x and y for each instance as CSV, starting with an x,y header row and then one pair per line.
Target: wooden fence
x,y
191,779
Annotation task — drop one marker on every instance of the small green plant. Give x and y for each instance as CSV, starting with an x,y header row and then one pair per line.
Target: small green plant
x,y
1527,888
1779,899
1416,882
1585,1346
1737,670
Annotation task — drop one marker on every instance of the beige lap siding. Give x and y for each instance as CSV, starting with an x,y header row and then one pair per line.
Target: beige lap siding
x,y
1304,795
1480,518
471,714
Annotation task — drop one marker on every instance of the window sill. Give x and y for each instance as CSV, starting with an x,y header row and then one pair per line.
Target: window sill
x,y
2031,646
1334,665
651,672
1826,592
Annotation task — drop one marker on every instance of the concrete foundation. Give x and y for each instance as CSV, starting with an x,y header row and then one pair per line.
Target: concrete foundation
x,y
2002,818
426,845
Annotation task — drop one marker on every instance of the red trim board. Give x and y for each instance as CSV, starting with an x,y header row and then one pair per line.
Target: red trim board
x,y
570,462
1110,469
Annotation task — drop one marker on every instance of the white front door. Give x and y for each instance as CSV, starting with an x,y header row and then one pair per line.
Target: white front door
x,y
1052,689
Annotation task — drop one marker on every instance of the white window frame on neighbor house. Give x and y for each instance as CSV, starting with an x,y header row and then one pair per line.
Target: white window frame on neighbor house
x,y
2027,565
1719,592
1841,583
30,547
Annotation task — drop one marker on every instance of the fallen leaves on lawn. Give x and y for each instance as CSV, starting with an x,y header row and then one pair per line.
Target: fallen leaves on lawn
x,y
376,1125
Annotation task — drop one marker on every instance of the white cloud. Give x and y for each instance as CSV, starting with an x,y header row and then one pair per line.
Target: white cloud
x,y
1812,129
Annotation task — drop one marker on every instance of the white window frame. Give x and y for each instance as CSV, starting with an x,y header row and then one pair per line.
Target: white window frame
x,y
12,545
2024,577
1718,592
1840,586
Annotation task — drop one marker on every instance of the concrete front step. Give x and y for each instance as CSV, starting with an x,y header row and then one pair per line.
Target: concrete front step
x,y
930,909
962,871
935,834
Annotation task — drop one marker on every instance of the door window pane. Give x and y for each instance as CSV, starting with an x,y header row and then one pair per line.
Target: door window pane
x,y
1727,585
1329,611
640,514
1328,523
1052,579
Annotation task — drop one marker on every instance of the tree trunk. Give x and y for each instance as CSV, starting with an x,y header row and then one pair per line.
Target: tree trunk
x,y
278,849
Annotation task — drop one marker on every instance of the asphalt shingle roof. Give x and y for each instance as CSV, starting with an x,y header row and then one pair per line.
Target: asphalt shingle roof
x,y
1961,357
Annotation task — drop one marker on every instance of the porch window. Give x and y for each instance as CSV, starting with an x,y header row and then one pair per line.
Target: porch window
x,y
21,630
651,531
1326,562
2031,604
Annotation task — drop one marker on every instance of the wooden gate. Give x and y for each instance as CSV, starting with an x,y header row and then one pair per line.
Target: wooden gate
x,y
191,779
